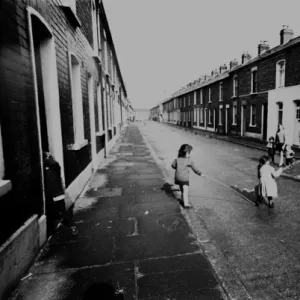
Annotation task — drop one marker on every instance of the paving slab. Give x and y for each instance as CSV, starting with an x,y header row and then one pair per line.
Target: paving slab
x,y
75,284
56,257
132,238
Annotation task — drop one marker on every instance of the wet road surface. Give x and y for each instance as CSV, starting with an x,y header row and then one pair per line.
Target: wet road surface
x,y
261,245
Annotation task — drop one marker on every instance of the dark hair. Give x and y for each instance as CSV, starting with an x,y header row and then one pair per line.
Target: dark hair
x,y
184,149
271,138
262,161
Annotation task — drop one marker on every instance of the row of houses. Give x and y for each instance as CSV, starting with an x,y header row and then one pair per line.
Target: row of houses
x,y
62,91
248,99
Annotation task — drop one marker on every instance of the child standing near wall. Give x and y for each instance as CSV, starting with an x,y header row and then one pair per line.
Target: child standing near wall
x,y
55,195
289,155
182,166
271,148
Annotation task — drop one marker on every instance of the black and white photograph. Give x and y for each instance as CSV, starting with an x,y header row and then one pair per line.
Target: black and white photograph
x,y
149,150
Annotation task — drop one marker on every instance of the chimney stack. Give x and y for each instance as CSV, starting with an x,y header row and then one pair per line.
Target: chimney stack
x,y
214,72
263,47
245,57
286,34
223,69
234,63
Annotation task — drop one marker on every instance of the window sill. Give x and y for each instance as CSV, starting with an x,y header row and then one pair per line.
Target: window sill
x,y
99,133
280,87
250,125
233,97
5,187
78,145
220,100
253,93
234,124
71,14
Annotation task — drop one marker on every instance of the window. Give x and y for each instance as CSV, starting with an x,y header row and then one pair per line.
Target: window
x,y
195,116
253,115
195,98
189,113
189,100
234,114
201,97
201,115
235,86
220,115
209,117
280,74
209,95
297,112
254,80
184,102
221,91
76,101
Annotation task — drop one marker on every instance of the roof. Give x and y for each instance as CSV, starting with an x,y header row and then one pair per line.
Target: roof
x,y
269,53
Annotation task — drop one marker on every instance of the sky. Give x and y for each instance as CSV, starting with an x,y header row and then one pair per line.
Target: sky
x,y
162,45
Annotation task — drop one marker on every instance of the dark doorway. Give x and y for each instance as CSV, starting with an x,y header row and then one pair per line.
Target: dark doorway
x,y
265,121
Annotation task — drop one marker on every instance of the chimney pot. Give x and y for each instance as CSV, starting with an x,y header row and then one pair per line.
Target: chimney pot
x,y
263,47
234,63
246,57
286,34
223,69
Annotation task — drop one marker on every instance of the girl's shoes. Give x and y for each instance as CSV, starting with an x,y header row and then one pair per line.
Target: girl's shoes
x,y
187,206
271,204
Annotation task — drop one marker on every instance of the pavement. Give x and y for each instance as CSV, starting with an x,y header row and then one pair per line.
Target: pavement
x,y
292,173
133,241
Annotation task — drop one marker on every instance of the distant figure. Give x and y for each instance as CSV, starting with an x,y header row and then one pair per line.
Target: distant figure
x,y
102,291
55,194
267,180
280,142
289,156
182,166
271,148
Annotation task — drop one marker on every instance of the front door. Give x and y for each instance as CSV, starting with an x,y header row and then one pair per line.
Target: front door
x,y
265,121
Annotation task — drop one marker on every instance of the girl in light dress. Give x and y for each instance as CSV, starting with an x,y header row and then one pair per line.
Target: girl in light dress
x,y
268,185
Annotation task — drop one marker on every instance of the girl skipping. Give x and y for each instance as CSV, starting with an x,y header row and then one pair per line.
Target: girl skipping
x,y
182,165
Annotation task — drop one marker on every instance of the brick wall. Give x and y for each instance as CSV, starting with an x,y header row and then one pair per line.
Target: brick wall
x,y
18,120
17,102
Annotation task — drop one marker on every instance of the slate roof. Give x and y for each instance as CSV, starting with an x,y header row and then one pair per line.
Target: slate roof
x,y
219,77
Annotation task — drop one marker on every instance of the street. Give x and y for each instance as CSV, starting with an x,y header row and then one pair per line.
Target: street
x,y
260,245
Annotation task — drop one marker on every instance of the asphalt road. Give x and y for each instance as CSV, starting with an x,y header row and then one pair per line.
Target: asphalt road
x,y
261,245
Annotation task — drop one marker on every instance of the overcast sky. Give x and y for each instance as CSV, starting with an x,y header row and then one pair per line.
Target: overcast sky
x,y
164,44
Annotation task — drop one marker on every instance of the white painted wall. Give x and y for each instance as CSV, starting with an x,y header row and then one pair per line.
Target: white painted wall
x,y
287,96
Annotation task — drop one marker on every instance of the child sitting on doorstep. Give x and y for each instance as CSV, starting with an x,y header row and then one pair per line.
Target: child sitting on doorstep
x,y
182,166
271,148
55,195
289,155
